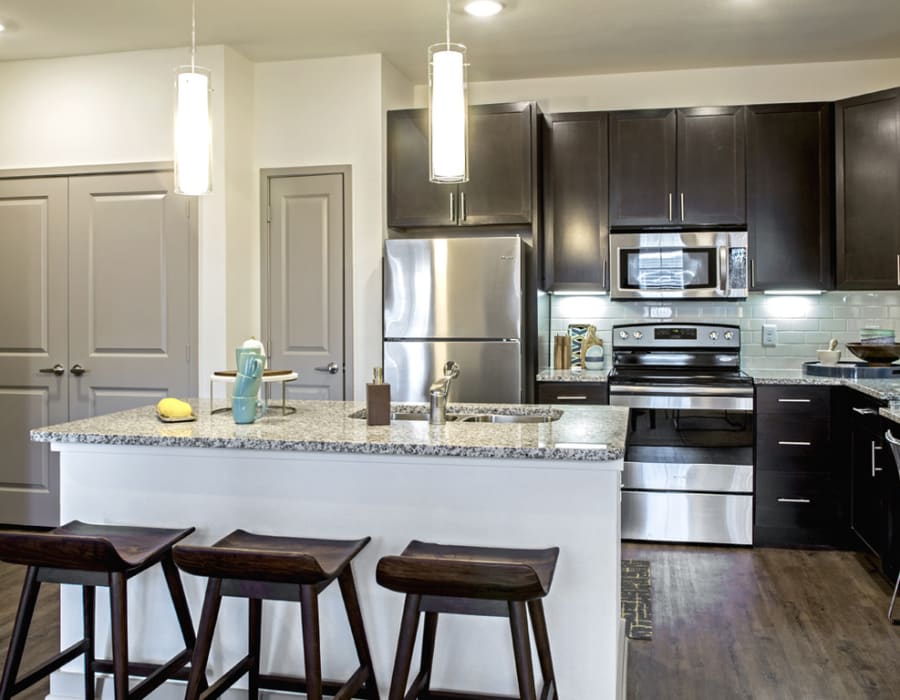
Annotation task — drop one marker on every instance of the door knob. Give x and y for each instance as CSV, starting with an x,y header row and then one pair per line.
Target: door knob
x,y
331,368
56,369
77,370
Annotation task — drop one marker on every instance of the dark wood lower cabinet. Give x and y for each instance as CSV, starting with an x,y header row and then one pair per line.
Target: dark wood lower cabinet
x,y
573,393
798,501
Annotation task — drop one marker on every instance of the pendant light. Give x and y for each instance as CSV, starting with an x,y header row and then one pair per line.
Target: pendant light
x,y
193,130
448,152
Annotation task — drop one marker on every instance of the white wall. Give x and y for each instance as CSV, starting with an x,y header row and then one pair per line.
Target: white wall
x,y
804,82
329,112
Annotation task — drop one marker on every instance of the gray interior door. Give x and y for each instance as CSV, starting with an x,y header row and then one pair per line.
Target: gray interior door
x,y
303,301
33,337
130,292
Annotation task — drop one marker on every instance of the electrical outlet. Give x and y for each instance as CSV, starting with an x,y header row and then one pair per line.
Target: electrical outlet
x,y
769,335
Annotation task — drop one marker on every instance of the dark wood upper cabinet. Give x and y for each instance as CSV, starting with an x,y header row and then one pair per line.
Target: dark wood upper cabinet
x,y
642,167
790,191
867,205
576,215
677,168
502,167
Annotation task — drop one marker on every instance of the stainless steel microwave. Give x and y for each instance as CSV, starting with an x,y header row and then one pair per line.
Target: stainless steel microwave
x,y
686,265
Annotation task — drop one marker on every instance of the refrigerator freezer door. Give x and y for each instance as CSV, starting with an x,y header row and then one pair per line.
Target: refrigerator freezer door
x,y
453,288
489,372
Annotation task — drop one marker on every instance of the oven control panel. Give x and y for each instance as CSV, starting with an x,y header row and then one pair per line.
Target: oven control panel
x,y
677,335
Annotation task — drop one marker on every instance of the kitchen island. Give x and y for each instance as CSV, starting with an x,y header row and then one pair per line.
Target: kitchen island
x,y
323,473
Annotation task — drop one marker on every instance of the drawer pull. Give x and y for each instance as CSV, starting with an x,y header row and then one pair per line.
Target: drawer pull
x,y
575,397
794,400
865,411
790,443
794,500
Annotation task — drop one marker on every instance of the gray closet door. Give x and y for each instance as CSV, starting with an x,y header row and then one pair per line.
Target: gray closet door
x,y
305,287
33,337
129,293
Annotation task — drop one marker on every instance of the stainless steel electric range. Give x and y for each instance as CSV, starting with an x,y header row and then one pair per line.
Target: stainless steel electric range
x,y
689,458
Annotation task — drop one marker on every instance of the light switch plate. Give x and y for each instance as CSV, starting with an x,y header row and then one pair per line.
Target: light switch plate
x,y
769,335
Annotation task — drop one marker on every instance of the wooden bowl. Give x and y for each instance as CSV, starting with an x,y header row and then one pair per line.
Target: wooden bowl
x,y
875,354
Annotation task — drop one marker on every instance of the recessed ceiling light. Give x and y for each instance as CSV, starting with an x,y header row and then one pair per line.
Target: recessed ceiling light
x,y
483,8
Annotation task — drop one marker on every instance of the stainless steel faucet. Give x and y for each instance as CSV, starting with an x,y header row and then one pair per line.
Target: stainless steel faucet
x,y
438,392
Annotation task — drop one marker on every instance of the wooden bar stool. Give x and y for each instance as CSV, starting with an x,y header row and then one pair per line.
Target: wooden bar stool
x,y
470,581
89,556
263,567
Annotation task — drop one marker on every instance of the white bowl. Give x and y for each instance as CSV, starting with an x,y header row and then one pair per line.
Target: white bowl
x,y
829,357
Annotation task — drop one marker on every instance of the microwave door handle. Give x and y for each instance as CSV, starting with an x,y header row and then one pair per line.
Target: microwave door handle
x,y
724,278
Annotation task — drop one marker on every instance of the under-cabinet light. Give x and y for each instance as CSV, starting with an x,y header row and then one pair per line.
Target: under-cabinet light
x,y
794,292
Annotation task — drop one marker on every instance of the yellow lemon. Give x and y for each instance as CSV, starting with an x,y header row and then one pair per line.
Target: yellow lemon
x,y
173,408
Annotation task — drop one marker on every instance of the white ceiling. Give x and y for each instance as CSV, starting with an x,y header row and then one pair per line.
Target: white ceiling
x,y
532,38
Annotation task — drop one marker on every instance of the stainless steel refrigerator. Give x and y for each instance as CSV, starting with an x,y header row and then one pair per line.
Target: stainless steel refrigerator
x,y
462,299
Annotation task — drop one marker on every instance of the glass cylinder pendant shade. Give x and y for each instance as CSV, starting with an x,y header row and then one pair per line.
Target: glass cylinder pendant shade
x,y
448,152
193,131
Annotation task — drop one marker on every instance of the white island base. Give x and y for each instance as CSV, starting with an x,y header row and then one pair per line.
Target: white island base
x,y
460,500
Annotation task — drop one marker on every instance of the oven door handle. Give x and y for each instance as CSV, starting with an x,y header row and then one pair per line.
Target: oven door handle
x,y
684,402
639,390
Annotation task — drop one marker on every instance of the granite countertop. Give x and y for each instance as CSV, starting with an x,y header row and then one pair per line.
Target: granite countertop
x,y
572,375
882,389
583,433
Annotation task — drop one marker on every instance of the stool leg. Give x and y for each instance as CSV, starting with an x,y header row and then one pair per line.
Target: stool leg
x,y
211,603
408,628
254,628
354,615
542,642
118,604
428,636
309,618
518,623
27,600
179,601
87,601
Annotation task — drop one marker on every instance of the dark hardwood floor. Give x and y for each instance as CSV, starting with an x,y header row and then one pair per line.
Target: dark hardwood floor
x,y
728,623
764,623
43,638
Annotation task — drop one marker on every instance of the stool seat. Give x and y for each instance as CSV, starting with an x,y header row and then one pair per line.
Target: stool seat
x,y
270,558
491,573
89,547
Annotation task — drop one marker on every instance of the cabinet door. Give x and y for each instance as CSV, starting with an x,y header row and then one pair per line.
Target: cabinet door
x,y
576,214
868,179
866,507
642,167
414,201
499,190
789,190
711,175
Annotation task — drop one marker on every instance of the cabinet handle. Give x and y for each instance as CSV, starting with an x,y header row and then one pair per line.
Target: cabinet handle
x,y
875,469
462,206
794,400
752,274
452,208
794,500
865,411
898,270
604,275
790,443
682,206
670,208
571,398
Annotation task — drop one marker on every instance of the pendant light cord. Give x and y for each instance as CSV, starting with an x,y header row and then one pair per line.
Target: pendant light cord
x,y
448,25
194,33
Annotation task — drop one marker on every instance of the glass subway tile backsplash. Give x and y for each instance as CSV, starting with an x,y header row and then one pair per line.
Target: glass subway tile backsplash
x,y
804,323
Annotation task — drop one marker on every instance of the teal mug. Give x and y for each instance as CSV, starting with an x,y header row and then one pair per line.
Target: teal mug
x,y
247,409
249,361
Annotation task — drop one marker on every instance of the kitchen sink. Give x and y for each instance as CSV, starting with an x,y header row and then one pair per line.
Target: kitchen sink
x,y
473,417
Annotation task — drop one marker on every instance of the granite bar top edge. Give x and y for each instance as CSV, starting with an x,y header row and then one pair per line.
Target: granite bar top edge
x,y
573,375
